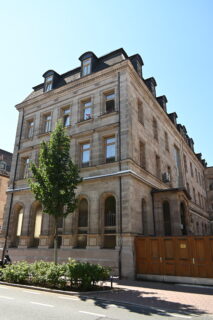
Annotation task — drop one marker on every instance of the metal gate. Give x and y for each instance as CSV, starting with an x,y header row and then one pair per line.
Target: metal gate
x,y
175,256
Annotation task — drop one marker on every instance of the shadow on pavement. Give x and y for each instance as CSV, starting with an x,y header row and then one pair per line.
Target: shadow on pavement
x,y
167,286
142,303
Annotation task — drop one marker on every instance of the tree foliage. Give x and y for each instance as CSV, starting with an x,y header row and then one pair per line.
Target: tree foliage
x,y
56,177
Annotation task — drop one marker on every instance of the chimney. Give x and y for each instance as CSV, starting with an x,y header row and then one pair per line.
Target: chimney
x,y
137,63
173,117
162,100
151,84
199,156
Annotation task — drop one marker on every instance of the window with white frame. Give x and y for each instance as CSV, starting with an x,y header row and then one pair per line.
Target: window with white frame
x,y
66,117
85,154
110,149
25,168
47,119
109,102
86,67
30,128
48,83
87,110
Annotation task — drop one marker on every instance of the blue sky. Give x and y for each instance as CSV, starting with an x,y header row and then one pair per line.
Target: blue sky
x,y
174,38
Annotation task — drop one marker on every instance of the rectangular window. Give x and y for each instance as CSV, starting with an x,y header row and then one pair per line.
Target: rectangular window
x,y
25,170
169,174
196,175
66,117
158,170
48,83
194,195
166,141
155,129
110,102
87,110
185,163
30,129
110,149
86,67
142,155
140,112
47,123
85,154
192,174
178,166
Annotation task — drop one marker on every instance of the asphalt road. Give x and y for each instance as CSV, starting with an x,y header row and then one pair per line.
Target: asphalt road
x,y
22,304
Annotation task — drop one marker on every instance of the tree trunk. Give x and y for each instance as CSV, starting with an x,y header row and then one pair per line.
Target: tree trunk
x,y
56,242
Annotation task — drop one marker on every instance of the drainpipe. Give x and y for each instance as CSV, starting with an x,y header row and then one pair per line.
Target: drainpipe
x,y
153,214
120,178
13,186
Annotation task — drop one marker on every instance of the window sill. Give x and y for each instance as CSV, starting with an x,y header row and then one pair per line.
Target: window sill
x,y
107,114
44,134
27,139
84,121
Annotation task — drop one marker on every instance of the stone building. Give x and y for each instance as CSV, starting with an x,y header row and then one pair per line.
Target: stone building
x,y
5,165
140,173
209,188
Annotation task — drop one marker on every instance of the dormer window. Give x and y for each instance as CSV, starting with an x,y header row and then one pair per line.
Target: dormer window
x,y
88,62
86,67
52,80
48,83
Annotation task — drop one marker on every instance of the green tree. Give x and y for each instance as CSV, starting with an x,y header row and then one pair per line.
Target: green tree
x,y
55,178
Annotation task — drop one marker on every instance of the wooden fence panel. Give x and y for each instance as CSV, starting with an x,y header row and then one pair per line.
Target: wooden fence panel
x,y
176,256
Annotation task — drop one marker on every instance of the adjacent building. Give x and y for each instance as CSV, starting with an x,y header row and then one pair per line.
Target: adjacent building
x,y
5,166
140,173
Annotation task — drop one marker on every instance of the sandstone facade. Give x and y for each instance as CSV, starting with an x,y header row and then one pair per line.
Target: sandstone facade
x,y
141,174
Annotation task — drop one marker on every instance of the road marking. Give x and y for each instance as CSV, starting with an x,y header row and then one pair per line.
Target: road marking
x,y
110,305
42,304
33,292
178,315
93,314
68,298
4,297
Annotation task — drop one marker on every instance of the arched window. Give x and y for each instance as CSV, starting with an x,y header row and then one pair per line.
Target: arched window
x,y
211,186
19,215
38,222
183,219
110,212
37,226
109,223
19,222
167,218
144,217
82,223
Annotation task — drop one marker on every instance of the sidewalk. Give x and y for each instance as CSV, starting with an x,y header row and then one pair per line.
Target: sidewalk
x,y
183,299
